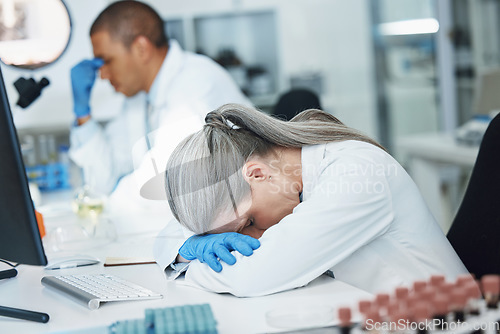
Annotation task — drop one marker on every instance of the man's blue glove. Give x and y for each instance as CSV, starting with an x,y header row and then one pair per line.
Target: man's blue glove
x,y
83,76
209,248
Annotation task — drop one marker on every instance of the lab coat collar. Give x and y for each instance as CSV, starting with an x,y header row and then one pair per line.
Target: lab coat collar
x,y
311,159
172,64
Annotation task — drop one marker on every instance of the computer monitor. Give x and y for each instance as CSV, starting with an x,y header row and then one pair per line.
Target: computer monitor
x,y
20,240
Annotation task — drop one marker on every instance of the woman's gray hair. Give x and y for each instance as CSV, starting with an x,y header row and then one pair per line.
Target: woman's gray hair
x,y
203,177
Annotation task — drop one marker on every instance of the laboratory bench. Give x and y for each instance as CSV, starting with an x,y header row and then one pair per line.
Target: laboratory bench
x,y
232,314
436,161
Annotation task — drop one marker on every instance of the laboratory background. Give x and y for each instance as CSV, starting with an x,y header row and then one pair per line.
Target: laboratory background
x,y
419,76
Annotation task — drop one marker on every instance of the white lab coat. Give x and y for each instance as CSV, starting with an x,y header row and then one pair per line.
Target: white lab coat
x,y
361,217
188,85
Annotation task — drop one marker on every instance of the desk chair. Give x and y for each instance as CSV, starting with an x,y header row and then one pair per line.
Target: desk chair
x,y
475,231
294,101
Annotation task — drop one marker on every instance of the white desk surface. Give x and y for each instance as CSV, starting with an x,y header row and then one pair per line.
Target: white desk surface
x,y
233,315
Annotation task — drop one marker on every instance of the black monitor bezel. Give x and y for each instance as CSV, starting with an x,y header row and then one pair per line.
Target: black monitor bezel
x,y
20,240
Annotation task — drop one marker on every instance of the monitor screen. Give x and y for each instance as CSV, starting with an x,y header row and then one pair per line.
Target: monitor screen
x,y
20,240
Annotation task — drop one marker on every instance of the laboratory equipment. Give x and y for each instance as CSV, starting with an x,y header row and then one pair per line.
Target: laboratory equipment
x,y
29,90
46,166
171,320
93,227
33,33
88,203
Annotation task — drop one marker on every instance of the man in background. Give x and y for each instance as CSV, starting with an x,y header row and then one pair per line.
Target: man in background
x,y
163,85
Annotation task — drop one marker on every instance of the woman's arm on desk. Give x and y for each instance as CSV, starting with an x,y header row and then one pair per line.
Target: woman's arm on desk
x,y
321,232
166,248
171,248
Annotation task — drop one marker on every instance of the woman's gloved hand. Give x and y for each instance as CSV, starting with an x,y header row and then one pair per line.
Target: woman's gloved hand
x,y
209,248
83,76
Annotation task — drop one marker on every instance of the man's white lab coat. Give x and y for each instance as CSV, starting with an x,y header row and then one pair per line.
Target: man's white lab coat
x,y
361,216
188,86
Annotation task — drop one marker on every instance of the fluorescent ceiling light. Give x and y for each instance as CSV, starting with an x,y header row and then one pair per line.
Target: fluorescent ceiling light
x,y
409,27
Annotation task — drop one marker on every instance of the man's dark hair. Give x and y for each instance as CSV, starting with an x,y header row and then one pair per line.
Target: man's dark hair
x,y
126,20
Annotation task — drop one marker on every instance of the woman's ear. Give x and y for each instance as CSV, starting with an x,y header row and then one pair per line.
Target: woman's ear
x,y
254,171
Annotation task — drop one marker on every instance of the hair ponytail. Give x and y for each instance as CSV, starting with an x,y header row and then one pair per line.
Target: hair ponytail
x,y
203,178
309,127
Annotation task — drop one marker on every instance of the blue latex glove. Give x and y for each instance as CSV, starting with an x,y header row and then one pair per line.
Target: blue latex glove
x,y
209,248
83,76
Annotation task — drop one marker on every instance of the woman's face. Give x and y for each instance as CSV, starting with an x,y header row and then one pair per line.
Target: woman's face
x,y
274,195
267,208
256,214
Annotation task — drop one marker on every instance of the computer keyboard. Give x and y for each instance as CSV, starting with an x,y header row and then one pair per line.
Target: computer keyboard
x,y
94,289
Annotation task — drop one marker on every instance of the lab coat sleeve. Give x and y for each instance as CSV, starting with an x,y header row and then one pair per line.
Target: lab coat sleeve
x,y
92,148
166,247
346,210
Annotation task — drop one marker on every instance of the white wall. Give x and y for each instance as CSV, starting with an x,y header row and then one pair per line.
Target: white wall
x,y
333,37
330,36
